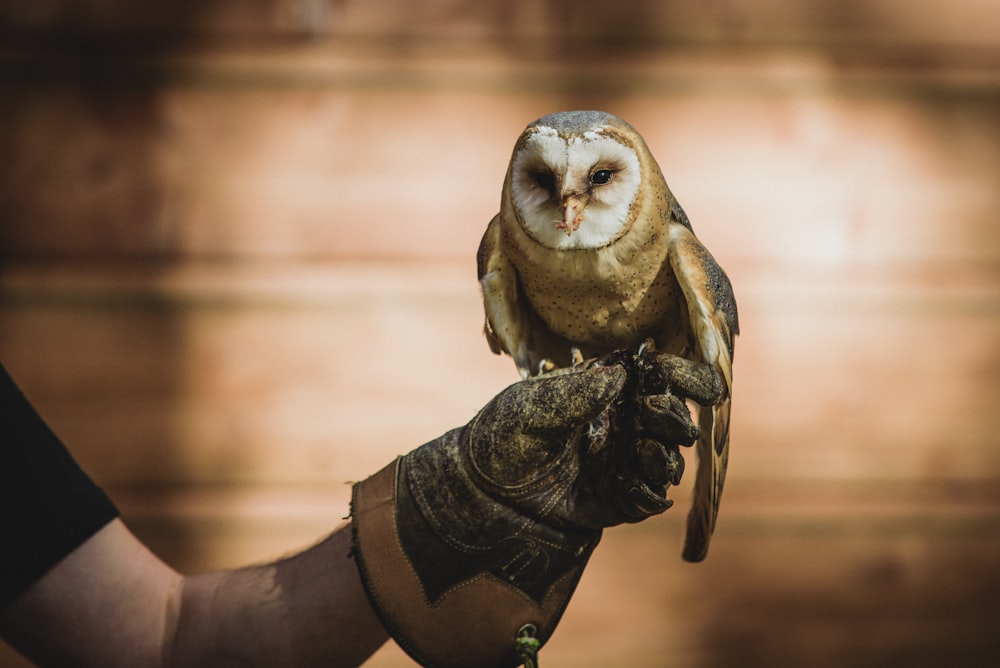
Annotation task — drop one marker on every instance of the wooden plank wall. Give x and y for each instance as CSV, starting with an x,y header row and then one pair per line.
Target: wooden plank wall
x,y
237,271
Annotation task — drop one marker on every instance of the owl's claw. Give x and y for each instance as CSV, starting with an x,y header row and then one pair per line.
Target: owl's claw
x,y
545,365
576,356
648,344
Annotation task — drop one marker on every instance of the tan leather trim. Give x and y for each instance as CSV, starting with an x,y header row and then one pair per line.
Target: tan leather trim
x,y
474,625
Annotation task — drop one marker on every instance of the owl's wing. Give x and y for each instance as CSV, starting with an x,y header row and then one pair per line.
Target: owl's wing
x,y
714,325
512,325
508,317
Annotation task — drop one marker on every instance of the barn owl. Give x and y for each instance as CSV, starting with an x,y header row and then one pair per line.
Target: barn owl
x,y
591,253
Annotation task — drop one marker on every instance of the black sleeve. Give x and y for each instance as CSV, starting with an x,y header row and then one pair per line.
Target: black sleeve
x,y
48,505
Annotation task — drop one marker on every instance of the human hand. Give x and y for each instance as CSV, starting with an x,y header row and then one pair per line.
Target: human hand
x,y
483,533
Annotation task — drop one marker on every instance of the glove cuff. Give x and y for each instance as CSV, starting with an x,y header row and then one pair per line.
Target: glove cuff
x,y
476,622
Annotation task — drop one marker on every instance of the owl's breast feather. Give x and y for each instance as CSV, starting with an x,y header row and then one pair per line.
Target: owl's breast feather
x,y
603,299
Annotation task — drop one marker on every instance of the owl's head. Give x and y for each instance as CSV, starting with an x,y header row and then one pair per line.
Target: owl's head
x,y
574,177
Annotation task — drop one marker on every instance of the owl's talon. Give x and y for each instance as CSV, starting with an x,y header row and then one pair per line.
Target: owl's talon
x,y
648,344
545,365
576,356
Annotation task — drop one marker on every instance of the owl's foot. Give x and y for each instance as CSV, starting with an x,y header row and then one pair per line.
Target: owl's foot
x,y
647,345
545,366
576,356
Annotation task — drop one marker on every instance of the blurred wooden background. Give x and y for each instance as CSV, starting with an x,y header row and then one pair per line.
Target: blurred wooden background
x,y
237,272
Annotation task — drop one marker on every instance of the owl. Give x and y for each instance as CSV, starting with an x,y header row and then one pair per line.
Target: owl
x,y
591,253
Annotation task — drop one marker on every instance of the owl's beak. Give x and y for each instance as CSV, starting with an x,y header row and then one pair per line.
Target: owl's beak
x,y
573,206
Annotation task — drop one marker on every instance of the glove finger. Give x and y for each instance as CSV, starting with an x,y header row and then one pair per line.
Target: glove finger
x,y
657,467
566,400
685,377
646,501
667,418
657,464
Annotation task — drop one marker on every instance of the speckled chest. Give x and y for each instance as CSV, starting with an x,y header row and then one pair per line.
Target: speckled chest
x,y
607,298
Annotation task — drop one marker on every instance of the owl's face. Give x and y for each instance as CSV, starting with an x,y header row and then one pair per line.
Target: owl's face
x,y
574,176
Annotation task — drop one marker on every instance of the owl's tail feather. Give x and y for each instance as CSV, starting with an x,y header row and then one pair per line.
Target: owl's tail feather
x,y
713,458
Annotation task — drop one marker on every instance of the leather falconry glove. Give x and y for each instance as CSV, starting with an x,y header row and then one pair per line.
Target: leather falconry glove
x,y
470,546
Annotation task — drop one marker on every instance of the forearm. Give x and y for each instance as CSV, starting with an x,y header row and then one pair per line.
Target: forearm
x,y
307,610
107,603
111,602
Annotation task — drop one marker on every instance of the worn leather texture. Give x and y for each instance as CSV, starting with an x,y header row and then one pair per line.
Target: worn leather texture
x,y
469,538
472,625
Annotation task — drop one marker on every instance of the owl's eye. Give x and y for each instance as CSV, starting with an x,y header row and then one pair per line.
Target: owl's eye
x,y
601,176
544,179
